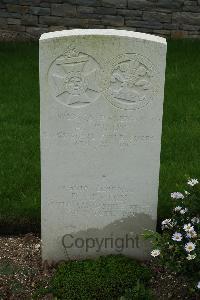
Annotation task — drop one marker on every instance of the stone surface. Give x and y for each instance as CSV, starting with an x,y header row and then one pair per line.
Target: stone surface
x,y
29,20
156,16
101,114
40,11
14,21
63,10
150,16
115,3
186,17
144,24
113,20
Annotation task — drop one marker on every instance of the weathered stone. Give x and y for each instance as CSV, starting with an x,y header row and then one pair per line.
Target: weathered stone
x,y
29,2
56,28
36,31
161,32
54,1
186,18
195,9
85,10
113,20
2,5
15,27
29,20
51,20
189,27
105,10
85,2
115,3
129,13
173,26
17,8
140,4
40,11
59,21
12,7
157,17
45,4
63,10
101,119
190,3
173,15
143,24
94,22
3,21
11,1
14,21
171,4
145,30
72,22
5,14
96,26
143,4
89,16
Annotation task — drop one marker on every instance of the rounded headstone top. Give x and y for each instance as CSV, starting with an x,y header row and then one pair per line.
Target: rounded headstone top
x,y
103,32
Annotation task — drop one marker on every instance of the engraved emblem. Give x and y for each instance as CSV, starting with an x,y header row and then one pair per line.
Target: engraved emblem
x,y
128,82
74,78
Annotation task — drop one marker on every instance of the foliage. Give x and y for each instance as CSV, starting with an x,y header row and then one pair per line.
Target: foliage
x,y
108,277
178,247
138,291
19,136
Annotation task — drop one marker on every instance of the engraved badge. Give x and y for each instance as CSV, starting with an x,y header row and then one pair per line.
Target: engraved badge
x,y
74,78
128,81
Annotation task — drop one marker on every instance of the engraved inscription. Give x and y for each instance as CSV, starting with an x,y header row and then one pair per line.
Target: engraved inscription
x,y
74,78
128,81
103,131
104,200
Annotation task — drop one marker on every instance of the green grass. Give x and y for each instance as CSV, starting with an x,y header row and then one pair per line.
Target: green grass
x,y
111,277
180,154
19,130
19,134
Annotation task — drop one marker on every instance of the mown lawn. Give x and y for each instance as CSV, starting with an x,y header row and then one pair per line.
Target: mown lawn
x,y
19,130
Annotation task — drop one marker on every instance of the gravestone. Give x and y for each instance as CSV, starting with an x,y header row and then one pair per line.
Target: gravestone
x,y
101,97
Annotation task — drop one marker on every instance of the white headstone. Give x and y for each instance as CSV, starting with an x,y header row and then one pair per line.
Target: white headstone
x,y
101,117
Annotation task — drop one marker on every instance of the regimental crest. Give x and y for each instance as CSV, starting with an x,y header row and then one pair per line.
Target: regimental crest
x,y
74,78
128,81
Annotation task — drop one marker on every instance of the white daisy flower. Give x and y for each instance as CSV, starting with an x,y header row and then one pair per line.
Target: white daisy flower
x,y
191,256
192,182
198,285
183,211
155,252
177,208
177,195
195,220
188,227
190,246
167,223
177,237
191,235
